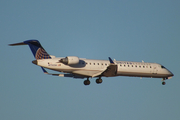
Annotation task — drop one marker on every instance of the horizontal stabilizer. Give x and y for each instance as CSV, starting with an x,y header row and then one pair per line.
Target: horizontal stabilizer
x,y
15,44
62,75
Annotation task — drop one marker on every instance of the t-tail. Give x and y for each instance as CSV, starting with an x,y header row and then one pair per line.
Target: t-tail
x,y
36,48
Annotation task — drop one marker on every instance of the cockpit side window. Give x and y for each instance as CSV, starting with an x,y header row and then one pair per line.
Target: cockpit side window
x,y
162,66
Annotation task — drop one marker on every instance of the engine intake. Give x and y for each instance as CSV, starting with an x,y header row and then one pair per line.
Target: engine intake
x,y
70,60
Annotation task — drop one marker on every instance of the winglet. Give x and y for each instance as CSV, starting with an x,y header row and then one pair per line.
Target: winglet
x,y
45,72
111,61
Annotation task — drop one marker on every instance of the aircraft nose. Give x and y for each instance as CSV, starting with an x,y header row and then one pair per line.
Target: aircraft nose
x,y
170,73
34,62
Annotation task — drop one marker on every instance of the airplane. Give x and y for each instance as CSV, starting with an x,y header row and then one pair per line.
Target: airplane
x,y
75,67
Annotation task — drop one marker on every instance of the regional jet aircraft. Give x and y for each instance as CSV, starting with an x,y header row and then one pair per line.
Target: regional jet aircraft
x,y
75,67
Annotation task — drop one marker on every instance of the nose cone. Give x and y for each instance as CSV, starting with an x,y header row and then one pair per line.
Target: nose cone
x,y
170,74
34,62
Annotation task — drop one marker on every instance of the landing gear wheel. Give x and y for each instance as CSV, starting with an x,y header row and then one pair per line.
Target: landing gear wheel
x,y
163,83
98,81
87,82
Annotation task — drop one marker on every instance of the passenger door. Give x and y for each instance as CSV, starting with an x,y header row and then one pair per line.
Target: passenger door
x,y
154,69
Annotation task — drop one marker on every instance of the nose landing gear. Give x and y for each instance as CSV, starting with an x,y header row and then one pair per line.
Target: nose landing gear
x,y
163,83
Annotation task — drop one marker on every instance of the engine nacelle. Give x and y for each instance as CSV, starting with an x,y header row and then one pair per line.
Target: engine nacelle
x,y
70,60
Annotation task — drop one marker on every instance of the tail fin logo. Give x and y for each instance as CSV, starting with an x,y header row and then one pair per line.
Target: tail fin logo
x,y
42,54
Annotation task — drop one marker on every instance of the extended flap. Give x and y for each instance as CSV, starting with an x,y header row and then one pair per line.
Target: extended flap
x,y
88,73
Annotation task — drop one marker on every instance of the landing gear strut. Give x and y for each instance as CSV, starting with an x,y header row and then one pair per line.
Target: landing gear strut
x,y
87,82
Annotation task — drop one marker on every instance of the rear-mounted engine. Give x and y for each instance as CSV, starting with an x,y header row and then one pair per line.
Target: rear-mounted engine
x,y
70,60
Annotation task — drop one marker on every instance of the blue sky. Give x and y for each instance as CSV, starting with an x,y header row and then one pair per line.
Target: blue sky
x,y
125,30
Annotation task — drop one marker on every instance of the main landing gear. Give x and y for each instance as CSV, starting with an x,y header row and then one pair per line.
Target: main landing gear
x,y
98,81
87,82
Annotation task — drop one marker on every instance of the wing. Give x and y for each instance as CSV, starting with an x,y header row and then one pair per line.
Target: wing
x,y
111,69
109,72
77,74
87,73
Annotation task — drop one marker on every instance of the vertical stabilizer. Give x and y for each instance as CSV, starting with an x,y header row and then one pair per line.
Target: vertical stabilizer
x,y
36,48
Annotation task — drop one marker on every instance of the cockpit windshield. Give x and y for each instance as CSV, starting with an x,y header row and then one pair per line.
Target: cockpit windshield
x,y
162,66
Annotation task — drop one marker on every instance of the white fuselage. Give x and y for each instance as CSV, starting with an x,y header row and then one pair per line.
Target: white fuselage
x,y
76,67
124,68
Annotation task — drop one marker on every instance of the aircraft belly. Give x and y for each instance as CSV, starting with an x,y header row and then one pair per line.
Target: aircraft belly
x,y
141,74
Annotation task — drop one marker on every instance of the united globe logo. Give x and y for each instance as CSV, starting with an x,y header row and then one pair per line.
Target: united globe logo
x,y
42,54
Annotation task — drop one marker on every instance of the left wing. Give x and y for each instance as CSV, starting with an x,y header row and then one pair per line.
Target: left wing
x,y
88,73
110,71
